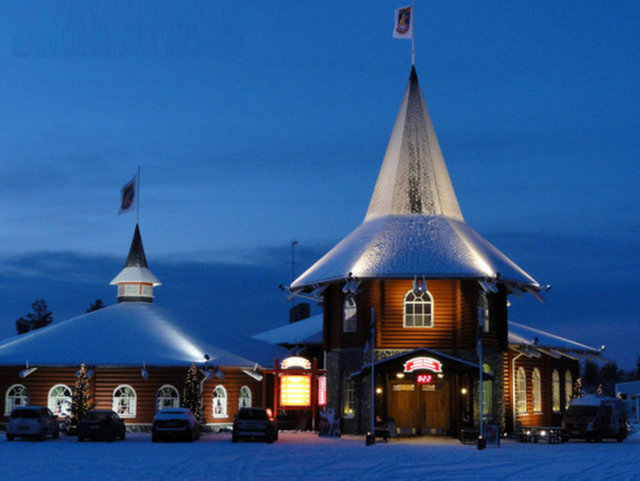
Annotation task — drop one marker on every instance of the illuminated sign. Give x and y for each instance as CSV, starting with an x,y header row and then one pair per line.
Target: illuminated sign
x,y
424,378
295,391
423,363
322,391
295,361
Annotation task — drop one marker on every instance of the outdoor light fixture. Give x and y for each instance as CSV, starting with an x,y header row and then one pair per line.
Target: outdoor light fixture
x,y
400,375
463,390
144,372
27,370
440,375
378,390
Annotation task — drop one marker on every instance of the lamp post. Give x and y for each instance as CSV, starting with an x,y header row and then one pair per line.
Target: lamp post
x,y
482,306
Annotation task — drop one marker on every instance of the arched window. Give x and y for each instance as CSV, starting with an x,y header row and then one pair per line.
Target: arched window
x,y
536,391
487,391
220,402
568,388
483,312
350,314
60,400
521,391
555,390
17,395
124,401
418,309
349,406
167,397
244,398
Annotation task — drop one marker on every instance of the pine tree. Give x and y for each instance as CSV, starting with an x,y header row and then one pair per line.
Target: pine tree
x,y
40,317
577,389
80,396
94,306
192,397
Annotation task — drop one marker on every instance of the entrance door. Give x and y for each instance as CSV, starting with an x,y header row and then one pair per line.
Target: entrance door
x,y
434,404
419,408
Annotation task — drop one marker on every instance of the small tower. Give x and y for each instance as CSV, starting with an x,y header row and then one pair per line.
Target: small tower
x,y
135,282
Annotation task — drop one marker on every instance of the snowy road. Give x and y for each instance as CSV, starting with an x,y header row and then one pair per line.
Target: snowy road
x,y
304,456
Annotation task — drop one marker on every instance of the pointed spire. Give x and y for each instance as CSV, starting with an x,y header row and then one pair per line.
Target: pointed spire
x,y
413,178
136,282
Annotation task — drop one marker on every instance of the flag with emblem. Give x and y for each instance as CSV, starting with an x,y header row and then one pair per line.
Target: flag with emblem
x,y
128,196
403,22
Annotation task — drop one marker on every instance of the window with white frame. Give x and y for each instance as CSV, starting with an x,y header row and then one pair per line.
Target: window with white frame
x,y
487,391
60,400
124,401
349,407
244,397
167,397
16,396
220,402
555,390
521,391
418,309
350,314
568,388
536,391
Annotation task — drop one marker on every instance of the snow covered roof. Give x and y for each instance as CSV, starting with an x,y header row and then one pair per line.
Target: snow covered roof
x,y
130,334
532,339
414,226
307,331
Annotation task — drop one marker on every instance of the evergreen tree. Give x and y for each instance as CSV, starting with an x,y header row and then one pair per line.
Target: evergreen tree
x,y
591,376
577,389
192,397
40,317
94,306
80,396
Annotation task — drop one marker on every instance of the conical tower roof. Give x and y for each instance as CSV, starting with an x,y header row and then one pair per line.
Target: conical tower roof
x,y
135,282
414,226
413,178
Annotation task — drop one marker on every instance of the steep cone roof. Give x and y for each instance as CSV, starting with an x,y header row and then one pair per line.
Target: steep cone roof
x,y
136,268
414,226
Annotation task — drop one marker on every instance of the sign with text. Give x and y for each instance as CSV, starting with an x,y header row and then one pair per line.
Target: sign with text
x,y
322,390
295,391
424,378
295,361
423,364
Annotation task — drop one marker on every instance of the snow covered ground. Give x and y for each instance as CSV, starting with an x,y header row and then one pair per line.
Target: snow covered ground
x,y
305,456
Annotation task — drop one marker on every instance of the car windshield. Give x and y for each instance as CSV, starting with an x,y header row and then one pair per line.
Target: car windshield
x,y
582,411
25,413
96,416
257,414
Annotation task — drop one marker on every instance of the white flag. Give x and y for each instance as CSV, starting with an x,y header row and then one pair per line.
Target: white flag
x,y
403,22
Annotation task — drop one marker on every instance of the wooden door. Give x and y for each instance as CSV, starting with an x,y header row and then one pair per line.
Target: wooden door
x,y
434,409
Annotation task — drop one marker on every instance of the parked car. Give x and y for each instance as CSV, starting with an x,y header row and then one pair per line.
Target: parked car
x,y
175,423
32,421
594,418
101,424
255,423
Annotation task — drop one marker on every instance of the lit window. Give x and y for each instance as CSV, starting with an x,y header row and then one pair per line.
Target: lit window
x,y
521,391
350,312
536,391
555,390
17,395
418,309
244,399
124,401
487,391
483,312
349,409
219,402
568,388
167,397
60,400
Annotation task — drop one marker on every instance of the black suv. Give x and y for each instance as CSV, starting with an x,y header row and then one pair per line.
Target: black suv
x,y
256,423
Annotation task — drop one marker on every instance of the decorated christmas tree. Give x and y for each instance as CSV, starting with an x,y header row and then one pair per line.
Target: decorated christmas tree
x,y
80,397
192,397
599,390
577,389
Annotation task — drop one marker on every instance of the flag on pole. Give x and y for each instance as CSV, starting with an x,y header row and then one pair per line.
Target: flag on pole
x,y
403,22
128,196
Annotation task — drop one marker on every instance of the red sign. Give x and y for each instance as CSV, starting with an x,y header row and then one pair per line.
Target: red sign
x,y
424,378
423,363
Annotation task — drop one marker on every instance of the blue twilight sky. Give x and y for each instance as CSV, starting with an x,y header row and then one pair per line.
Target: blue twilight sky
x,y
259,123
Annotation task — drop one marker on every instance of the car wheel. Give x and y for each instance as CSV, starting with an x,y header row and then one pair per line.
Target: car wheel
x,y
43,435
9,437
270,438
154,438
80,439
123,435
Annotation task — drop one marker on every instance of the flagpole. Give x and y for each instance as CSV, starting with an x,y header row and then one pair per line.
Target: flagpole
x,y
413,34
138,199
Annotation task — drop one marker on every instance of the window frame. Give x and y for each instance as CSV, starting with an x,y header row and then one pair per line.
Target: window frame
x,y
349,397
555,391
487,391
131,404
10,398
349,321
245,389
568,387
536,390
161,396
223,404
521,391
53,403
418,300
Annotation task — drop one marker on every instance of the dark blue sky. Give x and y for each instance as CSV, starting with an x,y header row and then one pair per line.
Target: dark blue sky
x,y
257,123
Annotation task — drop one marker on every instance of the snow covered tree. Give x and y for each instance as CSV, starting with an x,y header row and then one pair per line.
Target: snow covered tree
x,y
577,389
80,396
192,397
